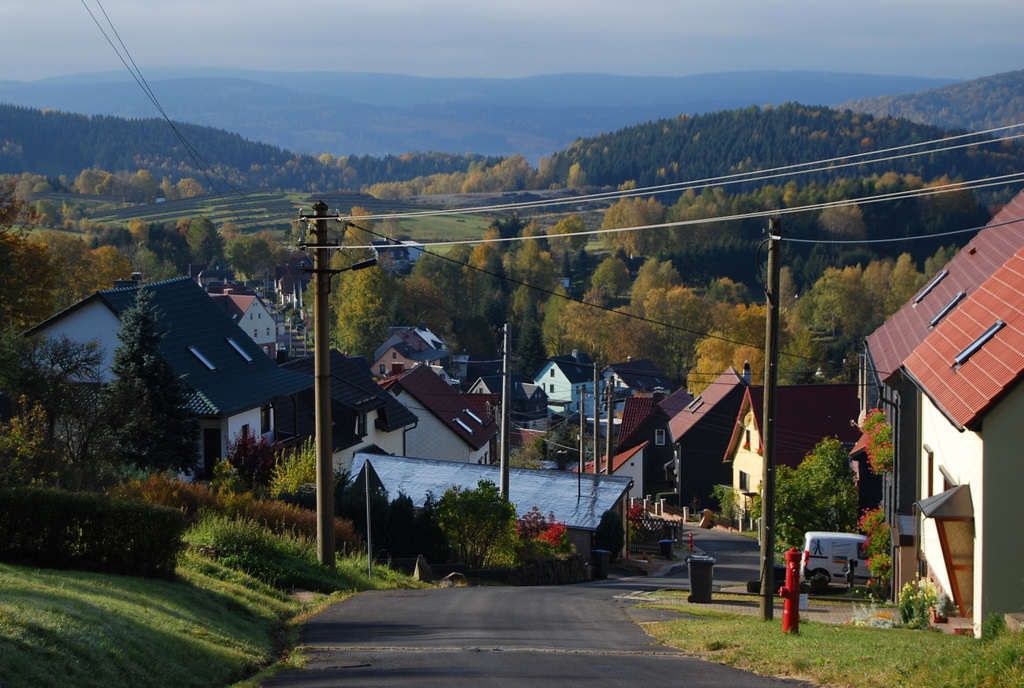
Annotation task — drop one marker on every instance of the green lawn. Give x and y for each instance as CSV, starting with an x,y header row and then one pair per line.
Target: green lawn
x,y
846,655
211,627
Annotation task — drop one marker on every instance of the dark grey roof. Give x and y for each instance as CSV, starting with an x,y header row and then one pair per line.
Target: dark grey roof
x,y
641,374
577,367
550,491
243,376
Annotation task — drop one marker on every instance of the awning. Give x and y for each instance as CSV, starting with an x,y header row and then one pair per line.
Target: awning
x,y
953,503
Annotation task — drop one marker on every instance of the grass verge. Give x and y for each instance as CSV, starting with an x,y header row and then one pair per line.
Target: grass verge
x,y
214,626
844,655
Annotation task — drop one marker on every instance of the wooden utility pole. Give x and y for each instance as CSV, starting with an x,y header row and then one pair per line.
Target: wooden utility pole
x,y
771,383
506,406
597,424
609,389
322,390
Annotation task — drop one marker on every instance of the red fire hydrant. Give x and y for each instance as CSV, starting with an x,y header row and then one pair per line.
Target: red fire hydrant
x,y
791,593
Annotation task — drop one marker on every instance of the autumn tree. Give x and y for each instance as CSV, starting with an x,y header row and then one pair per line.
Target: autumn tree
x,y
633,212
27,280
566,236
364,303
611,277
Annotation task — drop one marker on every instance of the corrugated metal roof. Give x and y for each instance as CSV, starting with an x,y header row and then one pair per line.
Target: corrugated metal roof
x,y
891,343
550,491
965,390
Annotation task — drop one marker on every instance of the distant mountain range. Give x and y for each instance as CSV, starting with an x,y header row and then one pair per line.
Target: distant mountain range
x,y
380,114
977,105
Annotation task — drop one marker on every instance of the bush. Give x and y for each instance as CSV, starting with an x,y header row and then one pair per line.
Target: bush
x,y
281,560
541,537
609,535
197,499
89,532
479,524
294,470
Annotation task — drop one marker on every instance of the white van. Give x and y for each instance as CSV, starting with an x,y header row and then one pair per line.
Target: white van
x,y
830,553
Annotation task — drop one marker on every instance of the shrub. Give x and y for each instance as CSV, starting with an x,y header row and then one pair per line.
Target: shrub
x,y
609,535
541,537
872,524
91,532
915,599
479,524
280,560
196,499
253,458
295,469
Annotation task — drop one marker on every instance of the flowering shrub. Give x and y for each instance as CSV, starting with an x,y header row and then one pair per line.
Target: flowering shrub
x,y
915,600
541,536
877,550
880,452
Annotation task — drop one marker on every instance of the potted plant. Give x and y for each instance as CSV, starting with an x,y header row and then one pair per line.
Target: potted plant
x,y
820,580
942,608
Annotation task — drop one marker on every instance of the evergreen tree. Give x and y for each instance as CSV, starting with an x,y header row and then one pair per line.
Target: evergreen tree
x,y
530,353
145,403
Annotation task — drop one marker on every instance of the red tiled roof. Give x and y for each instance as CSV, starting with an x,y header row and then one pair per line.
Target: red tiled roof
x,y
619,459
965,391
635,411
805,415
891,343
705,404
443,401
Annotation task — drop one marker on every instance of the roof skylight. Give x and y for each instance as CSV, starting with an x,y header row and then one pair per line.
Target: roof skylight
x,y
240,350
976,345
947,308
202,359
931,285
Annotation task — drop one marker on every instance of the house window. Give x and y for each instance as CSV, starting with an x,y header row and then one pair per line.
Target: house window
x,y
361,425
659,437
265,419
551,373
744,481
394,354
551,389
255,334
383,370
245,430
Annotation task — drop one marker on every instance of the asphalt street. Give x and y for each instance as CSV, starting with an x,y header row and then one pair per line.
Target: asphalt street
x,y
570,636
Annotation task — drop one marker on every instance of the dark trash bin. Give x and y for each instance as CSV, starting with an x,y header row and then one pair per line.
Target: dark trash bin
x,y
666,548
701,570
599,560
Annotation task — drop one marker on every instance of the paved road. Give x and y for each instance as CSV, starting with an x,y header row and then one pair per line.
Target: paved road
x,y
569,636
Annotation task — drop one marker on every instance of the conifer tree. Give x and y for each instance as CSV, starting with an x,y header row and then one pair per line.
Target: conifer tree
x,y
151,427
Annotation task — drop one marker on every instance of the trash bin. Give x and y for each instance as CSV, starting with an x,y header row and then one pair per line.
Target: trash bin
x,y
599,559
666,548
701,570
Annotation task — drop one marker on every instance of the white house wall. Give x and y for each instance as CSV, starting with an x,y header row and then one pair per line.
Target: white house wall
x,y
391,442
960,454
92,323
432,439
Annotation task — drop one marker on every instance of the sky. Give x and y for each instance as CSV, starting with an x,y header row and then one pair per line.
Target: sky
x,y
952,39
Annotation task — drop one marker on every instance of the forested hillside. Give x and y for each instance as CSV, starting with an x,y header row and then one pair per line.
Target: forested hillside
x,y
977,105
55,143
694,148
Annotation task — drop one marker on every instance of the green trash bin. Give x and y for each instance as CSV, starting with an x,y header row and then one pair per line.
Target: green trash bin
x,y
599,561
701,569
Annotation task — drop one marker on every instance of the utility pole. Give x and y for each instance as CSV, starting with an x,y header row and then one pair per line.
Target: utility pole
x,y
609,389
322,390
583,428
322,378
597,424
506,405
771,383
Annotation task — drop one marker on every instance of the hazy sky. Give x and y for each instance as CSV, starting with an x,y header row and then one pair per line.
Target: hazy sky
x,y
934,38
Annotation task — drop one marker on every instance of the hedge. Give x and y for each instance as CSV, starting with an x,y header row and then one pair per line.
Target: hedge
x,y
89,532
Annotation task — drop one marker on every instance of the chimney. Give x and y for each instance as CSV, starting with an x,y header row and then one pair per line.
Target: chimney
x,y
746,372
